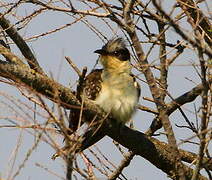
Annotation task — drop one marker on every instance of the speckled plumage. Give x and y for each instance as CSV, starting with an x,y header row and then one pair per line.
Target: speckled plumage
x,y
92,84
114,88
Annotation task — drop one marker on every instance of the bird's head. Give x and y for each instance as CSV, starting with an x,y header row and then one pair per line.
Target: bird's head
x,y
114,54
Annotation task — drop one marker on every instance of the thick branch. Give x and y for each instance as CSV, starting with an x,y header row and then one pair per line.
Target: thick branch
x,y
151,149
163,60
163,116
156,152
22,45
38,83
175,104
185,98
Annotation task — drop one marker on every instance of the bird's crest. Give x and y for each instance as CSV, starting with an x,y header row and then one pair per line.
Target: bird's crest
x,y
114,44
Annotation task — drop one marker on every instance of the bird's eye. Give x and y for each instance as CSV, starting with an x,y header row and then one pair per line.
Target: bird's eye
x,y
116,53
122,54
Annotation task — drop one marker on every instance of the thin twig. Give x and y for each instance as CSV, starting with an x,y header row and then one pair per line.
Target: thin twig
x,y
73,66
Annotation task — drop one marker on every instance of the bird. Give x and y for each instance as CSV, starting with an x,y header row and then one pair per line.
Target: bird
x,y
113,88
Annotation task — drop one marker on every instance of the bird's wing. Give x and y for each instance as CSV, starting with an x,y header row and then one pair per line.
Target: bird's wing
x,y
92,84
91,88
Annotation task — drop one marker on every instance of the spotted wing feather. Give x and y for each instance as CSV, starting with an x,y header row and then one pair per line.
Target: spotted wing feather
x,y
91,88
92,85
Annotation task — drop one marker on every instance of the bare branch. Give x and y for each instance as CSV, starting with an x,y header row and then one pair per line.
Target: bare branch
x,y
125,162
202,22
149,148
24,48
163,116
204,118
180,32
176,103
72,10
73,66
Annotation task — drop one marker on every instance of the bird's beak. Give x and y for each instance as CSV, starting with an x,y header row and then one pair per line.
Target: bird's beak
x,y
100,51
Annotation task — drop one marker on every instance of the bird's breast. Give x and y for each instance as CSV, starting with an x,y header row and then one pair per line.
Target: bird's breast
x,y
118,96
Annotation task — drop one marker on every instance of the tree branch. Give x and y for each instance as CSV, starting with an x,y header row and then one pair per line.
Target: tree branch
x,y
22,45
151,149
161,106
70,10
156,152
176,103
193,12
179,31
124,163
